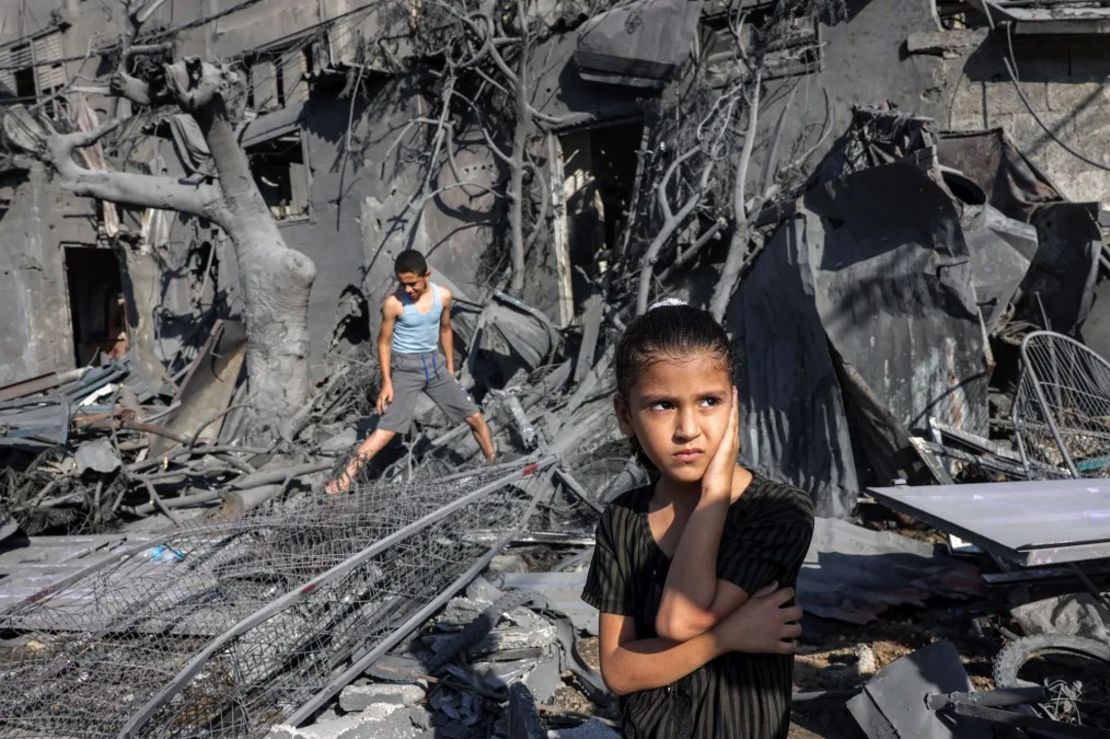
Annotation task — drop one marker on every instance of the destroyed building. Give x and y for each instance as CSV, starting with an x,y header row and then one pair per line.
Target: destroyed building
x,y
886,208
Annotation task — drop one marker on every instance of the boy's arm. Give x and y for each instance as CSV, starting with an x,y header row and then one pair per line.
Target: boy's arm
x,y
391,310
446,335
628,664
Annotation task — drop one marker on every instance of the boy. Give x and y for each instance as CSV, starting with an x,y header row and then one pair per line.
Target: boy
x,y
416,325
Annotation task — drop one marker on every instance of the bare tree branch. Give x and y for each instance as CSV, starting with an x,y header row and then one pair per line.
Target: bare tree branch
x,y
125,188
726,284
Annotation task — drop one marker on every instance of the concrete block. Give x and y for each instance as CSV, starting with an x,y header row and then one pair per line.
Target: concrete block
x,y
482,589
1002,98
967,109
1078,97
361,697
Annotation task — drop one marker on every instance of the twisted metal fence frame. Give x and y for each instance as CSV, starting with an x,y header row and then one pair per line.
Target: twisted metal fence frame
x,y
531,472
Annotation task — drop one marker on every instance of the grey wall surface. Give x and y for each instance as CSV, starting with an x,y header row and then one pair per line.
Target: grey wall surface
x,y
35,334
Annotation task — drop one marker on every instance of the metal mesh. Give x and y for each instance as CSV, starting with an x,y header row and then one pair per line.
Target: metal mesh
x,y
319,581
1061,413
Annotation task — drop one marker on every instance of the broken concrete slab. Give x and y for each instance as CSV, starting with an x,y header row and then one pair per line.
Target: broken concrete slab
x,y
377,721
542,676
361,697
526,632
97,455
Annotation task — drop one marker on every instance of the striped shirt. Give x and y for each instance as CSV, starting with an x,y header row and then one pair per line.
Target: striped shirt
x,y
737,695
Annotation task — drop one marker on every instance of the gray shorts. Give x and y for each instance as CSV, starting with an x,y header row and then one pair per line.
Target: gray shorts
x,y
416,373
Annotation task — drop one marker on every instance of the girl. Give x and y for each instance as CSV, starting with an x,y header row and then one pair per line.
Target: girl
x,y
696,634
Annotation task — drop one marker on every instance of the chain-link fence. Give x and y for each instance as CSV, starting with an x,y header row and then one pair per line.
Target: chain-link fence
x,y
224,631
1061,413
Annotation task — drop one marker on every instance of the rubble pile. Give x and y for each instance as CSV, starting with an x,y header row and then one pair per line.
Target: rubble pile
x,y
921,317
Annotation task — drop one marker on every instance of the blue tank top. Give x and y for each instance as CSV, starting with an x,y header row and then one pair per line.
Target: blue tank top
x,y
416,332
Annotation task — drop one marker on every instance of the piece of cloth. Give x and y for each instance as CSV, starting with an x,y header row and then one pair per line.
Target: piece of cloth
x,y
765,539
416,373
416,332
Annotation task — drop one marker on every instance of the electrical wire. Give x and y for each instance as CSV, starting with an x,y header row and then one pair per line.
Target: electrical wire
x,y
1010,62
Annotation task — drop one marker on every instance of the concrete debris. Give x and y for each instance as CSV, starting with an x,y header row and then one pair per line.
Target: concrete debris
x,y
914,296
376,721
96,455
360,697
542,674
560,590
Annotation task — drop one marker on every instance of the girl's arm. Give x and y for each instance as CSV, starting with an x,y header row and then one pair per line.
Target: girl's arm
x,y
629,664
693,598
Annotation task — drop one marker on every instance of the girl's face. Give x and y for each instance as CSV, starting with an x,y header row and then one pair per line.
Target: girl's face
x,y
678,410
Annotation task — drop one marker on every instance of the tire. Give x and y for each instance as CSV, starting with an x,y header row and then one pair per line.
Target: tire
x,y
1009,661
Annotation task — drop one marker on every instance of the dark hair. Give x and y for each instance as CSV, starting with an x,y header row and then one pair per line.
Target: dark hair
x,y
669,331
412,261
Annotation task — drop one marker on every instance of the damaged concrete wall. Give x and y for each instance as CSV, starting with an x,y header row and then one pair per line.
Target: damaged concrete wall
x,y
1064,82
35,336
901,53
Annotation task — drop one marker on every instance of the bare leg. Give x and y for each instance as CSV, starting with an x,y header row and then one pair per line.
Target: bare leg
x,y
482,435
369,447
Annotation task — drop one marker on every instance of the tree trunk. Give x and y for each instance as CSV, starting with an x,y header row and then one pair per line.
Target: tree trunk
x,y
276,281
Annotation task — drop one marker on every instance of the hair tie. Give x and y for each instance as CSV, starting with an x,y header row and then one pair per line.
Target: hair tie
x,y
666,302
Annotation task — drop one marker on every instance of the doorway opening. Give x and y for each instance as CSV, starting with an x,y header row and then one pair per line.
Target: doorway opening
x,y
96,303
599,170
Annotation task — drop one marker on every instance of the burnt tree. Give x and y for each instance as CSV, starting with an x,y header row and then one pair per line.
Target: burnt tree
x,y
276,280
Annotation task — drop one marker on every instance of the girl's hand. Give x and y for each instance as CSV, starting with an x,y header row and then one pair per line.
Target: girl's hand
x,y
763,625
717,481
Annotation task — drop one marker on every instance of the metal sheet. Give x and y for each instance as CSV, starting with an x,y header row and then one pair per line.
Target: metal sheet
x,y
795,426
1031,522
208,388
894,291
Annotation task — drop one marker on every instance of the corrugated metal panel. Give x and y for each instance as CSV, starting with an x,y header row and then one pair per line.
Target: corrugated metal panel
x,y
795,425
49,48
20,56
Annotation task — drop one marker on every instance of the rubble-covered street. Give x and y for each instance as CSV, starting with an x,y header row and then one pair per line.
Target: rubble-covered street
x,y
899,212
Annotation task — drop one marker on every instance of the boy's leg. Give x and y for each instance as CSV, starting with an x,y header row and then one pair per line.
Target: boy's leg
x,y
408,381
457,404
370,446
482,435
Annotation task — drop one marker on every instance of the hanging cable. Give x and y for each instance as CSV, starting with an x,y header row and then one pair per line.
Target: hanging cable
x,y
1011,69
